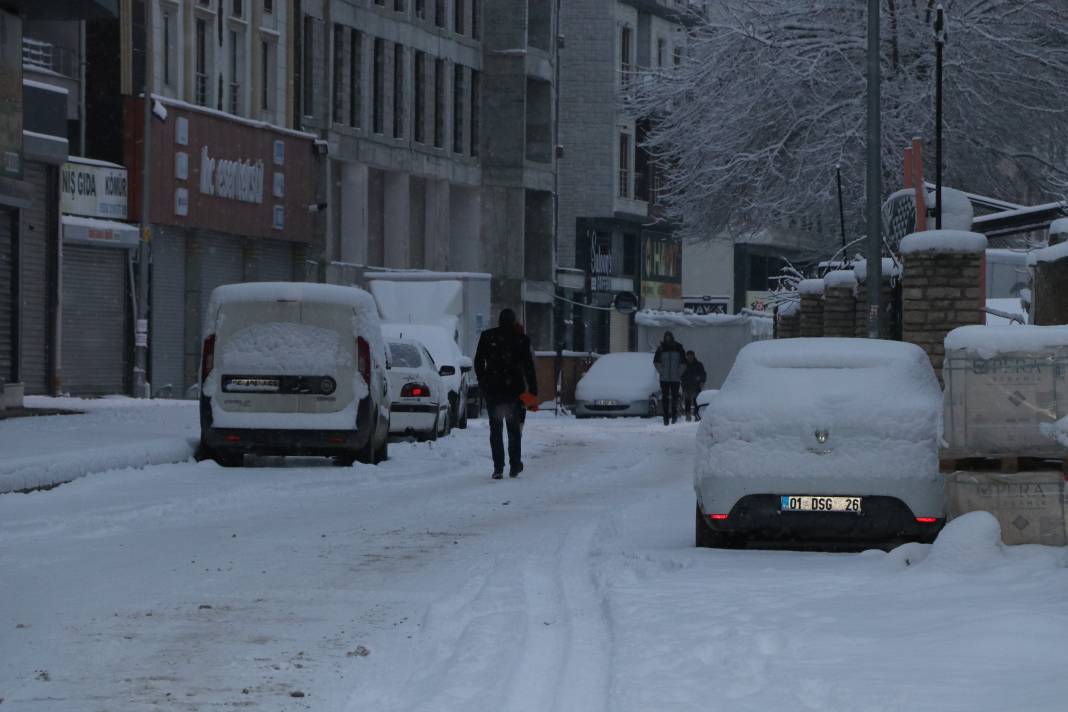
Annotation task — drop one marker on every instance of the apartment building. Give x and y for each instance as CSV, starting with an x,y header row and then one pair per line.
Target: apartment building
x,y
608,220
438,116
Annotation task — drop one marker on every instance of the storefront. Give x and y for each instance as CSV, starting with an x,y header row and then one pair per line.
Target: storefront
x,y
231,201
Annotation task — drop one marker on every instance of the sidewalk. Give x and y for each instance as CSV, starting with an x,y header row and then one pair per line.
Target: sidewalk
x,y
109,433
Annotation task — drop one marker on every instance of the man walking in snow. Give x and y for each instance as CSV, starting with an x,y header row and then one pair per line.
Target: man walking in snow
x,y
669,360
693,382
504,364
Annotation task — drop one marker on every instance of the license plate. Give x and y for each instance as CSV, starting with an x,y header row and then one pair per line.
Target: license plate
x,y
605,402
813,503
251,385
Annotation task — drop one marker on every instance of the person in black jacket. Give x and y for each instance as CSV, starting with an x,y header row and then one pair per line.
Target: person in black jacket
x,y
669,361
504,364
693,382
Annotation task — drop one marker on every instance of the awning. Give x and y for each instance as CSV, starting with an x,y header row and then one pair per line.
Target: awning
x,y
104,233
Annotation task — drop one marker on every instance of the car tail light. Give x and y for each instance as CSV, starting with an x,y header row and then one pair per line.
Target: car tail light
x,y
414,390
718,517
927,520
207,361
233,438
363,359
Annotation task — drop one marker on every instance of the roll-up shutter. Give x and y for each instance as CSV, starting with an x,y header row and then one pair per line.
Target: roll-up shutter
x,y
36,252
166,345
95,308
270,261
7,295
221,262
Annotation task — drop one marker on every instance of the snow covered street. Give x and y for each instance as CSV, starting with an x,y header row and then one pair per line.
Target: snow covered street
x,y
421,584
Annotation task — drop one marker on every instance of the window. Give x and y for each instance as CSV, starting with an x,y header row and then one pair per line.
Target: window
x,y
380,2
458,108
378,81
236,71
267,77
420,9
458,16
168,49
661,51
625,67
419,112
439,13
398,91
200,62
476,21
624,165
439,103
677,57
307,60
398,5
336,94
355,78
268,6
476,107
237,8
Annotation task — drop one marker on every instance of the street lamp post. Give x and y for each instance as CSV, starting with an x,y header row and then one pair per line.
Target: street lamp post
x,y
874,187
140,370
940,43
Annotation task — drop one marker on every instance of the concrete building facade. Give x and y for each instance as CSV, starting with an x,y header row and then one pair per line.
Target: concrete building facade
x,y
439,121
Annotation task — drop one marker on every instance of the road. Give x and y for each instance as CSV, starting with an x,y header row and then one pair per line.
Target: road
x,y
422,584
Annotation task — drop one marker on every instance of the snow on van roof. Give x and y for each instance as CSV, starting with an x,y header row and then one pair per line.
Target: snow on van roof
x,y
943,241
990,341
292,292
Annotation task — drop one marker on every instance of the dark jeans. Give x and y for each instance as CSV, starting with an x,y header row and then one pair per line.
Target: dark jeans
x,y
511,413
689,403
669,400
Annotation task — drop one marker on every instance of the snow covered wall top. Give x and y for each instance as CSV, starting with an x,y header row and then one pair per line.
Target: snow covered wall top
x,y
943,241
990,341
666,320
840,278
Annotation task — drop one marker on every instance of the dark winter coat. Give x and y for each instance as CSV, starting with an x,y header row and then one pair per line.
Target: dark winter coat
x,y
504,364
669,361
693,376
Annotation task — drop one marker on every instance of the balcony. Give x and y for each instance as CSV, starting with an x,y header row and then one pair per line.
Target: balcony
x,y
50,58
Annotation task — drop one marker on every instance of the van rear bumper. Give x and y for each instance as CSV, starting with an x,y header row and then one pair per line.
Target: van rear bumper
x,y
283,442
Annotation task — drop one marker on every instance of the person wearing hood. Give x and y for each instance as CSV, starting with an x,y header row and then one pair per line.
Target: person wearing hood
x,y
504,364
670,361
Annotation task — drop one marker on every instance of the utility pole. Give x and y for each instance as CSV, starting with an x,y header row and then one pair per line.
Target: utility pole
x,y
940,43
874,187
841,211
140,371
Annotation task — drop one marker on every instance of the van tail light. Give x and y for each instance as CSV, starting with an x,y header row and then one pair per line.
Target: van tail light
x,y
207,361
363,359
414,390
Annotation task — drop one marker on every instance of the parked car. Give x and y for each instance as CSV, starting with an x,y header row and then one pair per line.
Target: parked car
x,y
829,440
293,369
619,384
445,351
419,402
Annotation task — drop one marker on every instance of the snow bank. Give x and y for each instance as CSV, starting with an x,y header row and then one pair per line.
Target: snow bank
x,y
811,286
943,241
890,269
840,278
667,320
626,377
1048,254
986,342
970,543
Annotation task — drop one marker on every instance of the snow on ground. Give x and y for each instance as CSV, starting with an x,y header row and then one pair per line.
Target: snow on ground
x,y
424,585
108,433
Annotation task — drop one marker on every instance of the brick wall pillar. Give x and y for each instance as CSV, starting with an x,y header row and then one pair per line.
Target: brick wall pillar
x,y
941,287
839,303
1049,285
789,321
811,322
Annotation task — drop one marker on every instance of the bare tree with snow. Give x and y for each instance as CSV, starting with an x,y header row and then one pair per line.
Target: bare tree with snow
x,y
771,99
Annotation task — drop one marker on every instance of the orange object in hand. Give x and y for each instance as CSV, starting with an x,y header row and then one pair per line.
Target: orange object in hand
x,y
530,401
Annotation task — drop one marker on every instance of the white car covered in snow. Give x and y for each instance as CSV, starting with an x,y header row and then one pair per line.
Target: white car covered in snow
x,y
419,401
293,369
619,384
829,440
446,352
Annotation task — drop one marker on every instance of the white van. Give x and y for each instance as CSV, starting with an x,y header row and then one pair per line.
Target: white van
x,y
292,368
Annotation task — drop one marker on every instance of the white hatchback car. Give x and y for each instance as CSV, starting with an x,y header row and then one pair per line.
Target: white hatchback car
x,y
419,401
446,352
829,440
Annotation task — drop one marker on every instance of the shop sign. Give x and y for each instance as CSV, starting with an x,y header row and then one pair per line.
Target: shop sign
x,y
11,91
706,304
237,180
97,191
661,266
